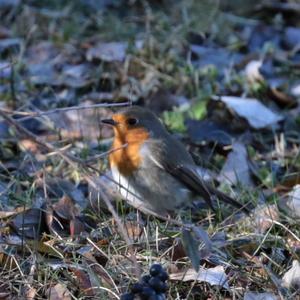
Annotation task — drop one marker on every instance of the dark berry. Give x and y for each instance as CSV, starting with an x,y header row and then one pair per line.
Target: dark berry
x,y
157,297
147,292
163,275
145,279
160,297
158,285
137,288
155,269
154,297
127,296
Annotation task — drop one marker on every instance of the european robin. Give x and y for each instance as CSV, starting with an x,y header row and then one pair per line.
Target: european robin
x,y
153,168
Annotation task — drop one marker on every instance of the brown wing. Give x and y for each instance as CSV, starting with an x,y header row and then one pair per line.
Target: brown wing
x,y
193,181
179,164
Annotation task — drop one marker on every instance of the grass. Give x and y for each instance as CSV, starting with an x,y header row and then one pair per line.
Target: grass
x,y
100,263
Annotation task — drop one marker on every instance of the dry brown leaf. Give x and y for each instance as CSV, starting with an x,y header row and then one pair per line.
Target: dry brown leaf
x,y
17,210
84,283
288,182
264,217
134,229
28,145
30,293
59,292
30,223
6,214
65,208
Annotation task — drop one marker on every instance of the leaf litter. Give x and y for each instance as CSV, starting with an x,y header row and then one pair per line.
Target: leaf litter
x,y
228,89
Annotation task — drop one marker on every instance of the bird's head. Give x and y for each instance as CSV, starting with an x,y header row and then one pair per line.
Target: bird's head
x,y
135,122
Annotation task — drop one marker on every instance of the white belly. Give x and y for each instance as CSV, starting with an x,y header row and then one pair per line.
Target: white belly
x,y
126,189
160,193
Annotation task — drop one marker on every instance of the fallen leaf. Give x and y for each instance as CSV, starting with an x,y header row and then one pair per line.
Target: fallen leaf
x,y
262,34
257,114
76,227
260,296
9,3
279,90
5,69
63,217
84,283
96,271
236,169
192,238
292,277
252,71
213,276
30,223
113,51
58,187
43,74
42,52
30,293
208,131
28,145
11,44
76,76
178,251
134,229
36,126
59,292
293,202
65,208
264,217
291,37
6,214
191,246
295,89
218,57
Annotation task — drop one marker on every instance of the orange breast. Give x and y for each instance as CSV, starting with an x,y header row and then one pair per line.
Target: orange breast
x,y
128,159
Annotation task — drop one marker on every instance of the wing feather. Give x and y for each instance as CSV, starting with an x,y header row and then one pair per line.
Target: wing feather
x,y
185,172
189,177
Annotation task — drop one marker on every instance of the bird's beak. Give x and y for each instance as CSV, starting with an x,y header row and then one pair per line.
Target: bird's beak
x,y
109,122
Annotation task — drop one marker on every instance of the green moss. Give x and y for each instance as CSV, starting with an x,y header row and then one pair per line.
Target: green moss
x,y
198,111
174,120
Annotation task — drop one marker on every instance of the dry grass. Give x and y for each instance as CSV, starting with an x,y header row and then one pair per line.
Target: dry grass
x,y
118,243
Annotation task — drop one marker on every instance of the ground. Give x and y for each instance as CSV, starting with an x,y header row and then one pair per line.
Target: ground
x,y
223,76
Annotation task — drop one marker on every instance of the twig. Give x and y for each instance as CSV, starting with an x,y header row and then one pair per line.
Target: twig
x,y
104,154
30,115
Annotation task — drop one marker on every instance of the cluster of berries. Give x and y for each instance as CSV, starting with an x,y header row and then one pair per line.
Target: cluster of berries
x,y
150,287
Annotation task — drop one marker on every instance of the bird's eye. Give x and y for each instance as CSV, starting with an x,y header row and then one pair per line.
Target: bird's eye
x,y
132,121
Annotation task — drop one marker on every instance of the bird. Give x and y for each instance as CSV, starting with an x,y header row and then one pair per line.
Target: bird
x,y
153,168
